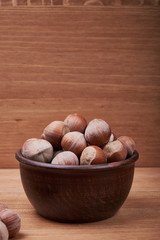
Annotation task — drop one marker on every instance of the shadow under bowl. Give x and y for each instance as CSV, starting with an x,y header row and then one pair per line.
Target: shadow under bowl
x,y
85,193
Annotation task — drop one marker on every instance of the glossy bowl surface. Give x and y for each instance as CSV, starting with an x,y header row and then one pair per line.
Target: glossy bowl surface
x,y
84,193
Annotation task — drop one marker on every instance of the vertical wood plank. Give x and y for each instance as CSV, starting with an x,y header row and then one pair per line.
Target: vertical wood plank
x,y
101,62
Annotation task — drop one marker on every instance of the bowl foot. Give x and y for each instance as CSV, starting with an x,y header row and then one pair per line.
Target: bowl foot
x,y
78,220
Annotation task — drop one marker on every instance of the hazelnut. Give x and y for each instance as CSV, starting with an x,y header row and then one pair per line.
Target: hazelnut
x,y
38,150
94,2
57,152
115,151
92,155
76,122
12,221
4,235
2,206
65,158
97,132
54,133
129,144
74,142
112,137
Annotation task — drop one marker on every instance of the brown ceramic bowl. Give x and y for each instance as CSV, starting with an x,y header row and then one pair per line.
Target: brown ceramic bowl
x,y
83,193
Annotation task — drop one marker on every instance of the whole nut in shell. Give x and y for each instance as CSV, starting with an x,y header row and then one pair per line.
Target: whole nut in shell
x,y
54,133
94,3
12,221
129,144
76,122
65,158
4,235
2,206
97,132
115,151
38,150
92,155
57,152
74,142
112,137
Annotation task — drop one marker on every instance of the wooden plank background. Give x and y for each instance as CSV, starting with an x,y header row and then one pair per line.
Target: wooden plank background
x,y
30,3
100,62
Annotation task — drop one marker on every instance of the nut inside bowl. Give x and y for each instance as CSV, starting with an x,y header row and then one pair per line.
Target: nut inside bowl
x,y
83,193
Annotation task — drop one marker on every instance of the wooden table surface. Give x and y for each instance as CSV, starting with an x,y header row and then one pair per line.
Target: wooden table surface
x,y
138,219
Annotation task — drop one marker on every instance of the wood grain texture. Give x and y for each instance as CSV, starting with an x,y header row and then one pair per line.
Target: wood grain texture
x,y
99,62
32,3
139,217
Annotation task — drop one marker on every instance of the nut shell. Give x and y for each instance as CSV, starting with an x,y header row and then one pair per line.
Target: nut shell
x,y
2,206
38,150
12,221
76,122
4,235
92,155
74,142
93,2
54,133
112,137
129,144
97,132
57,152
65,158
115,151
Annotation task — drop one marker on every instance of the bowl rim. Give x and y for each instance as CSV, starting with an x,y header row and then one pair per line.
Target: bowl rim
x,y
111,165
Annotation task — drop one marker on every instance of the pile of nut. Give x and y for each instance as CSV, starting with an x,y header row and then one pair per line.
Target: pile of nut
x,y
74,142
10,222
